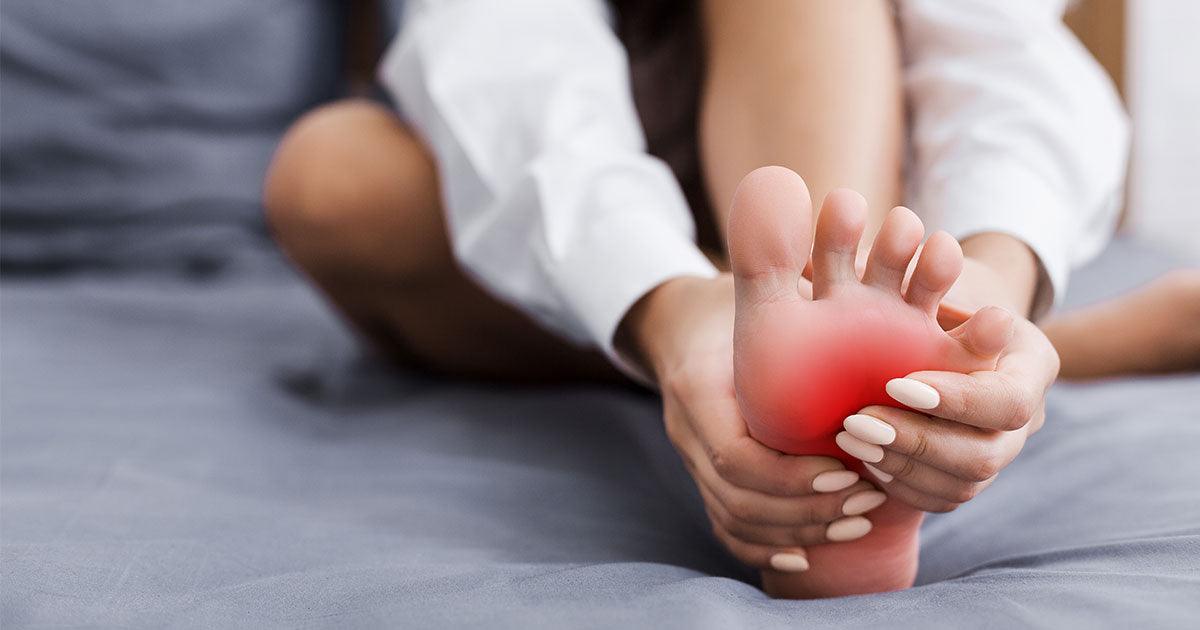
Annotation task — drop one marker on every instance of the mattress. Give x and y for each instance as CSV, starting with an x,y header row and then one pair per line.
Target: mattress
x,y
221,452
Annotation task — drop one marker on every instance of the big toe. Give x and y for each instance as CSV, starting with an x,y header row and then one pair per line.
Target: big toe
x,y
770,231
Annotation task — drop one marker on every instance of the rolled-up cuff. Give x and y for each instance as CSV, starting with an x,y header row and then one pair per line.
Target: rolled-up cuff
x,y
624,257
1008,199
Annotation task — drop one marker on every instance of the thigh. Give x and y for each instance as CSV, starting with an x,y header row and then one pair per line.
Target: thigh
x,y
352,197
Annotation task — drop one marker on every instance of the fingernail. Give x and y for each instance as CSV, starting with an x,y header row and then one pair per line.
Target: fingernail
x,y
848,528
789,563
882,476
863,502
858,448
912,393
870,429
834,480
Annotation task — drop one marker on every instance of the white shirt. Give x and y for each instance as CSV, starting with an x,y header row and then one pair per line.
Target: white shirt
x,y
554,206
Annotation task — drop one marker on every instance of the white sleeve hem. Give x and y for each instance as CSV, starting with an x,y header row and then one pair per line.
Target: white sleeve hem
x,y
625,256
1005,198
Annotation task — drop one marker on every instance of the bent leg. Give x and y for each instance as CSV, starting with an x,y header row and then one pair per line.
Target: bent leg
x,y
352,198
814,86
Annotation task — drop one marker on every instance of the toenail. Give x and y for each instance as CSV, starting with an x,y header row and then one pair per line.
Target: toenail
x,y
870,429
863,502
834,480
789,562
848,528
915,394
858,448
879,474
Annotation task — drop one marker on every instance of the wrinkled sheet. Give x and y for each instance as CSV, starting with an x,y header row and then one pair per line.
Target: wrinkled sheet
x,y
180,453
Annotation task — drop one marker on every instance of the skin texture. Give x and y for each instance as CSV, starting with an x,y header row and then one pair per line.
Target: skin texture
x,y
802,366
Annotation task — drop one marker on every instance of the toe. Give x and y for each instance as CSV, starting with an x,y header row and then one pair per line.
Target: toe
x,y
839,228
770,231
894,248
940,263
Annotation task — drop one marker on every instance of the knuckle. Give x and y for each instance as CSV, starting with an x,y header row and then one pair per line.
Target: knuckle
x,y
907,467
921,446
1018,407
723,461
806,512
984,468
945,507
830,510
961,493
805,536
739,509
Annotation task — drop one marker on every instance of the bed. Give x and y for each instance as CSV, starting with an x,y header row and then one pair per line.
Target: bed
x,y
189,437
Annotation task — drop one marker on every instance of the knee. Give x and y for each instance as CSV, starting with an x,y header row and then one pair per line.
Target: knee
x,y
308,181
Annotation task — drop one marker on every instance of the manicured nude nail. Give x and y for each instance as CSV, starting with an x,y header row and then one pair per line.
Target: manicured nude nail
x,y
879,474
848,528
834,480
912,393
858,448
870,429
789,563
863,502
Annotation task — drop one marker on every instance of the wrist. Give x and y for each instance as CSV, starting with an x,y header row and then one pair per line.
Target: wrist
x,y
663,326
1000,270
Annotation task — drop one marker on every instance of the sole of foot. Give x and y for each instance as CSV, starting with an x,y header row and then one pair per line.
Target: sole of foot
x,y
803,365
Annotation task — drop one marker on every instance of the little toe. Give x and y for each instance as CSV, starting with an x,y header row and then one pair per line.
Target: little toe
x,y
770,232
894,248
940,264
839,228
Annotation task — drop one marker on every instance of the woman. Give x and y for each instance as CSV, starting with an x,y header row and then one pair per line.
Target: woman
x,y
517,131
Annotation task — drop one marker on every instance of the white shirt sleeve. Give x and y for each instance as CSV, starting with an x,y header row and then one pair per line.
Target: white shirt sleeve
x,y
553,203
1015,129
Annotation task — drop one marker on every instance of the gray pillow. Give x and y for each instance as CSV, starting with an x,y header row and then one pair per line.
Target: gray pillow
x,y
136,133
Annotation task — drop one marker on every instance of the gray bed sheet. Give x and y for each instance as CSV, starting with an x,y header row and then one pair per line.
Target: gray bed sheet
x,y
221,454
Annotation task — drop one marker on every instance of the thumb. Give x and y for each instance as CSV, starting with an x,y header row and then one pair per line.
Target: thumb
x,y
987,332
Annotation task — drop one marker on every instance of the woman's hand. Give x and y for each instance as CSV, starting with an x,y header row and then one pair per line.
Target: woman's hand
x,y
969,426
765,506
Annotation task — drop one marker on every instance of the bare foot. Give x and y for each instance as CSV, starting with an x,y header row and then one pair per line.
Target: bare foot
x,y
1155,329
803,365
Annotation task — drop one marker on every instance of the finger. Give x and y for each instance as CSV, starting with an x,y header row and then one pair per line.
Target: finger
x,y
765,509
940,264
747,463
963,451
903,493
760,556
839,229
988,399
895,245
986,333
925,479
772,535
